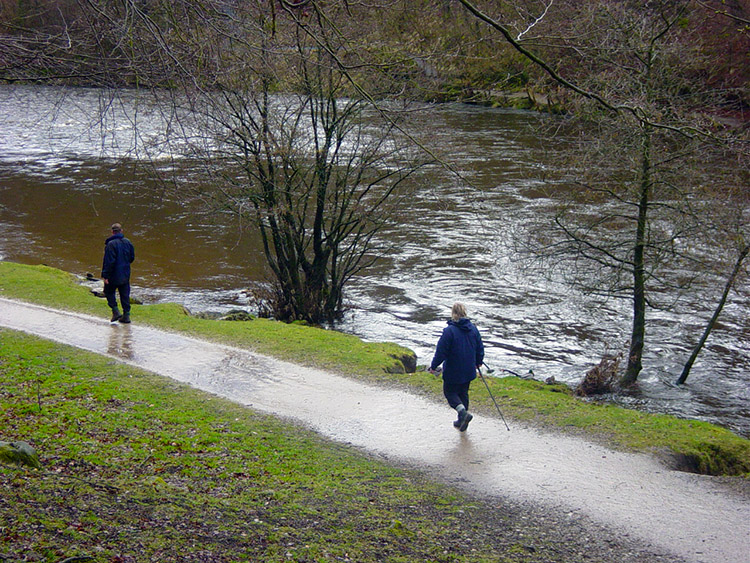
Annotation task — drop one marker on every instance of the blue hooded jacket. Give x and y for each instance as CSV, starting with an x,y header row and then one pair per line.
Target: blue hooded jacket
x,y
461,348
118,254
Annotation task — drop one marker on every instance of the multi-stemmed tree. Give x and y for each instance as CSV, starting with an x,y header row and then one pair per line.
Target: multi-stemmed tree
x,y
258,93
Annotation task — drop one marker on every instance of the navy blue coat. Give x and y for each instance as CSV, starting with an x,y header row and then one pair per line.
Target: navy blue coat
x,y
118,255
461,350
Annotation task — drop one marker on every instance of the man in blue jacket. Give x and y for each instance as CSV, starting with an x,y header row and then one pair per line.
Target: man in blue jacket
x,y
461,352
118,255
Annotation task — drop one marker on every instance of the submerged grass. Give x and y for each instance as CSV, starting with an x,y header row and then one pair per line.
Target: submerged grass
x,y
692,445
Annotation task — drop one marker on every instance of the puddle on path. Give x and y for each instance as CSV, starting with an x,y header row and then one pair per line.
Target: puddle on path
x,y
688,515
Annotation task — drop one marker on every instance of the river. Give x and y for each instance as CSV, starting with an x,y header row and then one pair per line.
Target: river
x,y
63,182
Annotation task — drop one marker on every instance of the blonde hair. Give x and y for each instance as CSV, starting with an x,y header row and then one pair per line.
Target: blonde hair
x,y
458,312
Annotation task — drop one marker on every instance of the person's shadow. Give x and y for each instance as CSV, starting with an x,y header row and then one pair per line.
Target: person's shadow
x,y
120,343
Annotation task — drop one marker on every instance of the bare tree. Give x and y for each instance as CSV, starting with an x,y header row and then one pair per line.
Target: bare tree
x,y
316,175
743,252
630,76
731,220
44,41
288,145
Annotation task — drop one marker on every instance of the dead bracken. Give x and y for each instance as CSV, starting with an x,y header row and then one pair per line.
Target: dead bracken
x,y
602,378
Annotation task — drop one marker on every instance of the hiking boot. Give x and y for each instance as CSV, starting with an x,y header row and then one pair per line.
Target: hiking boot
x,y
457,423
125,318
116,316
465,421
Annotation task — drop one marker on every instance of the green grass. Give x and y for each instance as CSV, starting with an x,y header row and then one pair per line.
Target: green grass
x,y
697,446
137,467
294,342
687,444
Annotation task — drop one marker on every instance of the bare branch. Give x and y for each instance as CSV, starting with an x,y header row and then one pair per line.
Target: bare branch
x,y
535,22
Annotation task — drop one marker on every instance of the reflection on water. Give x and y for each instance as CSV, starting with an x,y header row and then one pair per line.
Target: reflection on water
x,y
62,187
120,343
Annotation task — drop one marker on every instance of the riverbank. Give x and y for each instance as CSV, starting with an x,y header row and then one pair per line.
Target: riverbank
x,y
137,467
684,444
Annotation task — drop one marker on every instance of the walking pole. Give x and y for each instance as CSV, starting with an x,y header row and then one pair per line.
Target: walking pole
x,y
493,398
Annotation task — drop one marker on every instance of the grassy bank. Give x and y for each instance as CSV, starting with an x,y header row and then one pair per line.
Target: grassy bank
x,y
136,467
294,342
693,445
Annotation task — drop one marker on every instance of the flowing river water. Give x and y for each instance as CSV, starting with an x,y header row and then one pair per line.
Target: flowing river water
x,y
63,181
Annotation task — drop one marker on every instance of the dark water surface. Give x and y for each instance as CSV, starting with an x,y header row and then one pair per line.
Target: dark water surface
x,y
62,183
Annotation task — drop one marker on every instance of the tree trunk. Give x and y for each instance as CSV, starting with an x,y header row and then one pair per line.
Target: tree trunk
x,y
638,333
715,317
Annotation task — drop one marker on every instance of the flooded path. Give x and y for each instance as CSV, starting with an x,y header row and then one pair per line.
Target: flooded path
x,y
690,516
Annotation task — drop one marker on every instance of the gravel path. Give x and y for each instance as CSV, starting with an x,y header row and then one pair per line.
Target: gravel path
x,y
594,503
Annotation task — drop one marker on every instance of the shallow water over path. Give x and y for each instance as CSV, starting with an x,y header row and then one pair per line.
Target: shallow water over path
x,y
688,515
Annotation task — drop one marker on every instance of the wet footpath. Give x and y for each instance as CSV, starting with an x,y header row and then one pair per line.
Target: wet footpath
x,y
696,518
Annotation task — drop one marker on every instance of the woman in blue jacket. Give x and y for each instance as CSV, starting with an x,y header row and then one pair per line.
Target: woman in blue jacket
x,y
461,352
